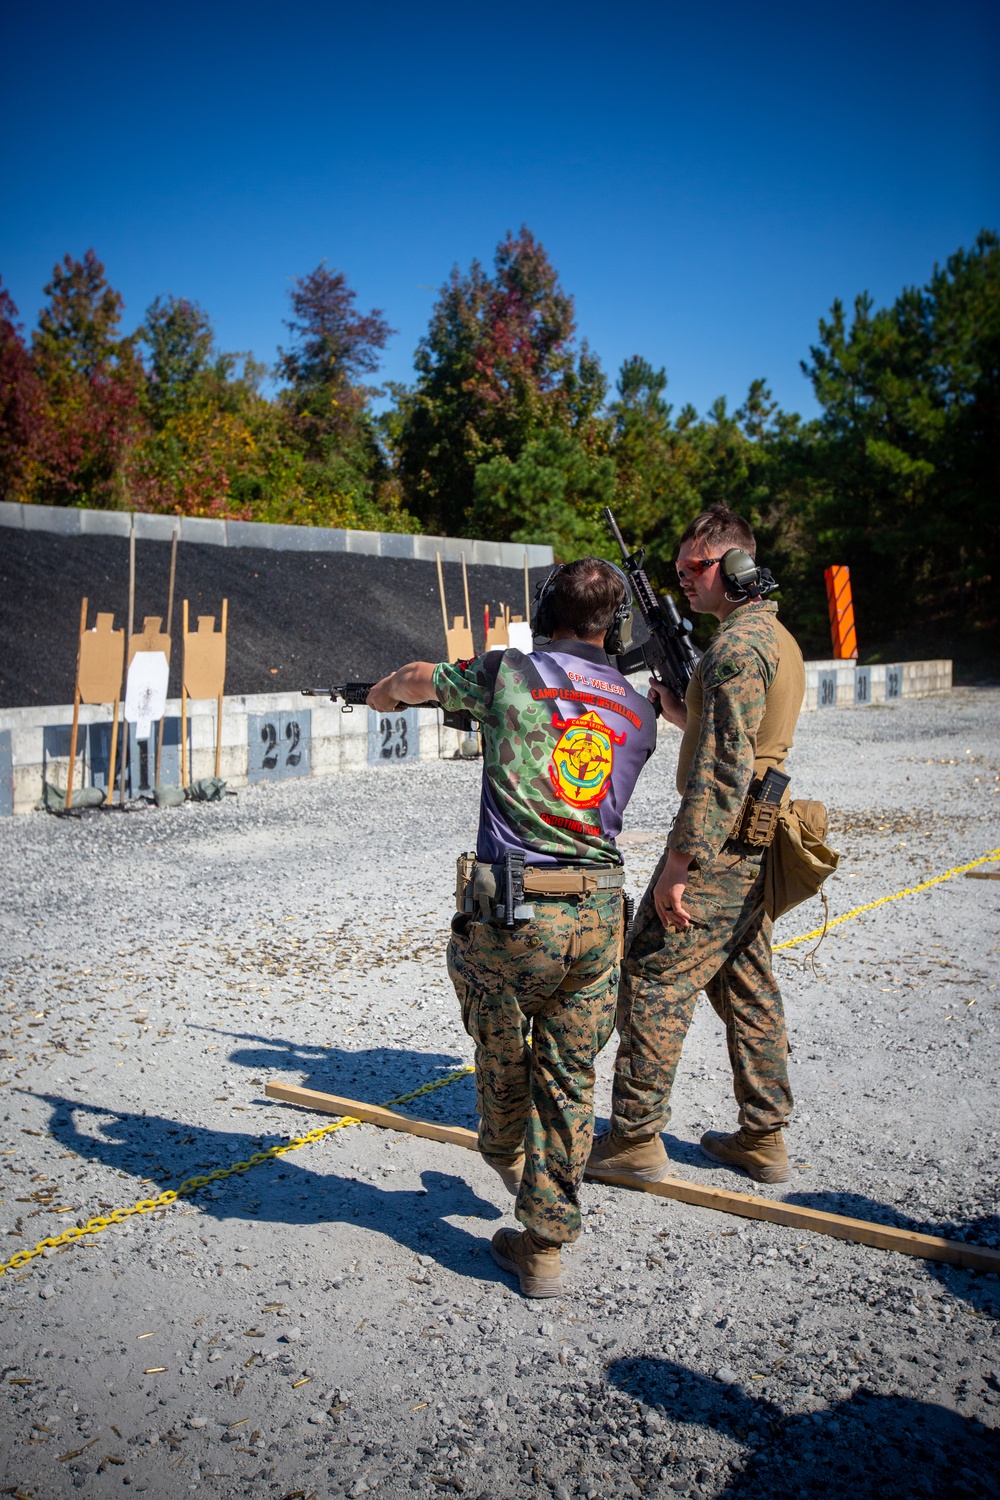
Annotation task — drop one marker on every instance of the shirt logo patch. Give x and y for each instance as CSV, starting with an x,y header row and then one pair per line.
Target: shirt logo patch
x,y
583,759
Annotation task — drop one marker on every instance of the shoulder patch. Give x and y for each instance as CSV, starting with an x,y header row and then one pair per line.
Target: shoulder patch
x,y
722,671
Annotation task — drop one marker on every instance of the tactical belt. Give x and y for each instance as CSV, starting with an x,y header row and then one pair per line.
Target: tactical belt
x,y
478,883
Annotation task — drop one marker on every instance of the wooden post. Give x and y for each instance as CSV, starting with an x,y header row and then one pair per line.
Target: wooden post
x,y
465,585
128,652
76,710
444,606
184,630
218,725
170,621
113,755
746,1205
527,588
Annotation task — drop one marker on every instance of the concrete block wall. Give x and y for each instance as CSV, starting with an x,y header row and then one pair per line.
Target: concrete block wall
x,y
843,684
337,741
67,521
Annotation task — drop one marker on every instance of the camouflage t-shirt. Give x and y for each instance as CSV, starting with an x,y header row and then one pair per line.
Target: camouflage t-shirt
x,y
564,739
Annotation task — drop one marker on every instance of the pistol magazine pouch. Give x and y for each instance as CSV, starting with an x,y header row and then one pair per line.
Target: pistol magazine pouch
x,y
757,823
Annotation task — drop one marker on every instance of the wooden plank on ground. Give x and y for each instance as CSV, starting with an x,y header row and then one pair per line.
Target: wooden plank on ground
x,y
723,1200
372,1114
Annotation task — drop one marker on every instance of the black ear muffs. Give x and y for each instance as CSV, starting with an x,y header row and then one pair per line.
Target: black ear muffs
x,y
743,578
619,633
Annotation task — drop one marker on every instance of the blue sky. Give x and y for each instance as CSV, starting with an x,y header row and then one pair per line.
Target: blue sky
x,y
705,179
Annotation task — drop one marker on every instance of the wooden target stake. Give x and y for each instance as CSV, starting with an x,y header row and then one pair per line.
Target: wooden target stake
x,y
465,585
76,710
170,623
184,738
444,604
128,645
218,725
527,593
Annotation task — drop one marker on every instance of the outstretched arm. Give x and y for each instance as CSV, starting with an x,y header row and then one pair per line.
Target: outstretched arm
x,y
413,683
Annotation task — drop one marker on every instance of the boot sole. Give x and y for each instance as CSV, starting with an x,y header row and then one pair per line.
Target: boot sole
x,y
605,1172
756,1174
531,1286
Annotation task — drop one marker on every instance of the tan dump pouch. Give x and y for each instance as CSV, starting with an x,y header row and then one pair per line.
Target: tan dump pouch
x,y
798,860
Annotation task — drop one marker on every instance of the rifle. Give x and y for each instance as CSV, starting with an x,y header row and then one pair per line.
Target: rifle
x,y
670,655
355,694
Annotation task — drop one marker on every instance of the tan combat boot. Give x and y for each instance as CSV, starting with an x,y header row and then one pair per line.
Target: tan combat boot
x,y
759,1153
535,1263
510,1169
644,1159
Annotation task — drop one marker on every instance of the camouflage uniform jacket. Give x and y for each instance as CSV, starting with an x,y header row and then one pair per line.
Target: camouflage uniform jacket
x,y
565,736
736,671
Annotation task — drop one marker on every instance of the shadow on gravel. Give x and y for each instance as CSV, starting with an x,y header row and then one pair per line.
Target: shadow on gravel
x,y
981,1291
373,1074
886,1446
281,1191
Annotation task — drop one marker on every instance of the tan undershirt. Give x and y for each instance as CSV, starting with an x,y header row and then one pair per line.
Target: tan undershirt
x,y
782,702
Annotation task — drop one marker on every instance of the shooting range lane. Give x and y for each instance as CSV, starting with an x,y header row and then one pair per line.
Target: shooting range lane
x,y
161,967
296,619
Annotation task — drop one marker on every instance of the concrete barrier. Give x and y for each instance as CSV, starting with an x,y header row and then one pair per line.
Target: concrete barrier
x,y
276,736
67,521
328,739
843,684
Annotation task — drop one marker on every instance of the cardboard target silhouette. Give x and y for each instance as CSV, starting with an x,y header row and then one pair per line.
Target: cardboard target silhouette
x,y
458,638
99,662
203,676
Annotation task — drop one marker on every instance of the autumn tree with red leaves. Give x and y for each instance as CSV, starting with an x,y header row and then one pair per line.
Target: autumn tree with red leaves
x,y
496,370
93,380
26,433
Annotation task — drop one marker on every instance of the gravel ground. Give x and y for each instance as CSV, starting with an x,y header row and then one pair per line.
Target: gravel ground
x,y
296,619
330,1323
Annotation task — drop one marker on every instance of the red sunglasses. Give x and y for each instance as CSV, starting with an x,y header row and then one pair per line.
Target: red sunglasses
x,y
694,567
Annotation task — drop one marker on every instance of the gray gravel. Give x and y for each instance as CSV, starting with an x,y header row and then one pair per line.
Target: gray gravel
x,y
330,1324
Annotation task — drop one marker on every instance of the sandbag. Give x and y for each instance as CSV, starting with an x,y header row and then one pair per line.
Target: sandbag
x,y
206,789
169,796
53,798
798,861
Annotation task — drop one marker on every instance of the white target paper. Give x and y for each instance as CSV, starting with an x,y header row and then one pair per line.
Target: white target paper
x,y
519,635
146,690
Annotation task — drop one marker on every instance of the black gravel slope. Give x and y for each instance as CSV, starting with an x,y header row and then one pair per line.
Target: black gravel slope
x,y
295,619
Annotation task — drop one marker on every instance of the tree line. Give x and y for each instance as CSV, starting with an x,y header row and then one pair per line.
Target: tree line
x,y
511,430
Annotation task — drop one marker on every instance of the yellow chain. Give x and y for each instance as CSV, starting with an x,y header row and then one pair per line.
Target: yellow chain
x,y
194,1184
911,890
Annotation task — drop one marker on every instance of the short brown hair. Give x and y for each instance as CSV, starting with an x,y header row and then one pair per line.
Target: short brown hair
x,y
586,596
719,526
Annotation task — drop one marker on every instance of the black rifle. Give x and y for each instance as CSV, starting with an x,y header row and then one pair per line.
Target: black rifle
x,y
355,694
669,655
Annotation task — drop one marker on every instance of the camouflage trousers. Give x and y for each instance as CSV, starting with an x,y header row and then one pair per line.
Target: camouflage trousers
x,y
727,953
539,1003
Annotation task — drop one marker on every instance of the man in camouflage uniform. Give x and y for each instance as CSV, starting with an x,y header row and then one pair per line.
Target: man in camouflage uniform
x,y
701,923
564,739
